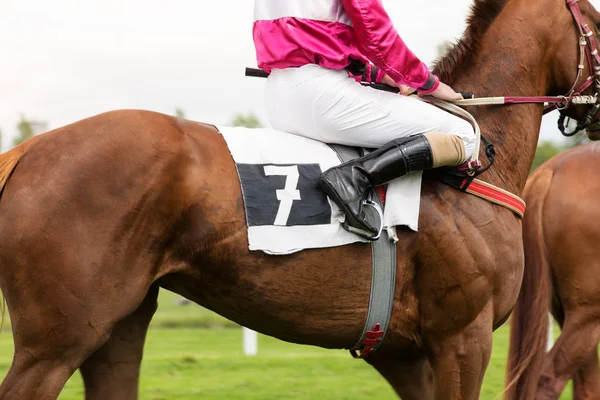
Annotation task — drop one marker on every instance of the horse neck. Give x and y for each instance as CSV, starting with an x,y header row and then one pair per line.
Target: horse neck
x,y
512,61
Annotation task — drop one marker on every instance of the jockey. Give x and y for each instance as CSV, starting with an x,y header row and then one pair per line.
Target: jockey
x,y
315,52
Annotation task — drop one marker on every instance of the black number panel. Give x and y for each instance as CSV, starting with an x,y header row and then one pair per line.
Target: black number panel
x,y
283,195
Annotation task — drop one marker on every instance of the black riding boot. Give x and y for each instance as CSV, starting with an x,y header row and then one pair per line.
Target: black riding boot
x,y
348,184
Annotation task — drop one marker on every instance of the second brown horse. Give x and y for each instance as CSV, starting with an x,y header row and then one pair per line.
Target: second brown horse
x,y
561,234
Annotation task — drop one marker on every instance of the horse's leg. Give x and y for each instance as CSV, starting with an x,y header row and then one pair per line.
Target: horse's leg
x,y
411,379
53,341
459,360
572,349
57,326
43,361
586,382
112,371
30,378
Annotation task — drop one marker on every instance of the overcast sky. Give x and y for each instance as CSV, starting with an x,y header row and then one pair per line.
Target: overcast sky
x,y
64,60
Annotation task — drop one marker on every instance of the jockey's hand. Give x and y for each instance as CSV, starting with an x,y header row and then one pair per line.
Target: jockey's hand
x,y
404,90
386,80
445,92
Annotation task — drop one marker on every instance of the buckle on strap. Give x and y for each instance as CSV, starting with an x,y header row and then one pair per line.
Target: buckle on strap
x,y
470,167
371,339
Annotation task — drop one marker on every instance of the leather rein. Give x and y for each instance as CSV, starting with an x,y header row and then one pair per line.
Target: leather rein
x,y
588,49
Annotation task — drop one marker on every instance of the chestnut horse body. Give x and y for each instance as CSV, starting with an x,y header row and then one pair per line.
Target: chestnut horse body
x,y
562,264
96,216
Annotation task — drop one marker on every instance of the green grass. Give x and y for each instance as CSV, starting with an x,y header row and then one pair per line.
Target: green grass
x,y
190,363
172,315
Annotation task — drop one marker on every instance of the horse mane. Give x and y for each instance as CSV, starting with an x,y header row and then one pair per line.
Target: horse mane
x,y
461,54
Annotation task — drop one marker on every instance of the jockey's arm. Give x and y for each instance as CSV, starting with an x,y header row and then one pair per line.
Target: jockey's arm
x,y
379,41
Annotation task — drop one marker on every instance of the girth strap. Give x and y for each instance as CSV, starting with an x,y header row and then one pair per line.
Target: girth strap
x,y
383,280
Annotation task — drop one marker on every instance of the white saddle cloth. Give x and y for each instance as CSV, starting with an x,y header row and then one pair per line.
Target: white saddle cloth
x,y
285,210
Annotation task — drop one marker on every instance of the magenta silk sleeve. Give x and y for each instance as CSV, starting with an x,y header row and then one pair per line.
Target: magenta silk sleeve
x,y
379,41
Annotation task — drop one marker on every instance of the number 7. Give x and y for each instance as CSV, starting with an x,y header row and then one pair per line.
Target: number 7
x,y
288,194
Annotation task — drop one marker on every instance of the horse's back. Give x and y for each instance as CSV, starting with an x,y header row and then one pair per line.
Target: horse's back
x,y
107,156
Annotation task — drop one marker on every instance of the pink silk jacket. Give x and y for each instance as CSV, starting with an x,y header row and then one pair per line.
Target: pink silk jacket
x,y
332,33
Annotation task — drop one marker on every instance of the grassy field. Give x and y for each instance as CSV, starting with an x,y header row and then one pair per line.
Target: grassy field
x,y
184,360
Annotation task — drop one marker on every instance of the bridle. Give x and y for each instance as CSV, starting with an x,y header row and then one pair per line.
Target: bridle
x,y
588,49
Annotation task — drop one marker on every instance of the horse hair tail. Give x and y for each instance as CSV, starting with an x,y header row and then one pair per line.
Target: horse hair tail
x,y
9,160
529,321
8,163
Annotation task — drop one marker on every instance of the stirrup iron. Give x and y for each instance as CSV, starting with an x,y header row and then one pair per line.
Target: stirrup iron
x,y
365,234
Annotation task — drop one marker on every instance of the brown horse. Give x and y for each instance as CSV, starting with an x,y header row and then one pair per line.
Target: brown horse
x,y
96,216
562,275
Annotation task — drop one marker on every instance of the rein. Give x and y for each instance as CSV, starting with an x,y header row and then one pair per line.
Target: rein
x,y
588,49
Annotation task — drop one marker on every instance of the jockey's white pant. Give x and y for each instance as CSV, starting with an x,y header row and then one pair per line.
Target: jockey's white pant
x,y
331,107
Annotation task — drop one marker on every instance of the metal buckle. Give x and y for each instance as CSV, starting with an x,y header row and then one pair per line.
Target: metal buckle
x,y
371,339
470,167
567,103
